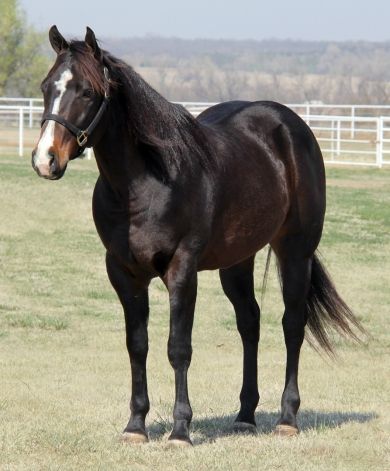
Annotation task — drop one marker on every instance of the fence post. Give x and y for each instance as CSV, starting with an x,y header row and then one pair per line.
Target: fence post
x,y
352,122
379,142
308,111
30,120
332,140
338,144
21,131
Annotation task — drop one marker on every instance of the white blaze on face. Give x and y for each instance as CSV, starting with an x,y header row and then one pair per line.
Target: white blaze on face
x,y
46,141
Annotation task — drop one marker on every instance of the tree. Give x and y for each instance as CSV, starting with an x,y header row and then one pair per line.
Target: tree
x,y
22,61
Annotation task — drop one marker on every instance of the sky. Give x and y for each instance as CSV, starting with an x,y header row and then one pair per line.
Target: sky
x,y
334,20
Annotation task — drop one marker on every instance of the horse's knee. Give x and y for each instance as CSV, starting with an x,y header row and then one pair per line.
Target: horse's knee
x,y
138,350
179,354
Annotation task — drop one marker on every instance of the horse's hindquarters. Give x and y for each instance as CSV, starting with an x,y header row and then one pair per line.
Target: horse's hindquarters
x,y
252,208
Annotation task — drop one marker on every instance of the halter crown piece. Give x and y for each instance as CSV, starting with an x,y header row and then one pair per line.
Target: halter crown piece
x,y
82,135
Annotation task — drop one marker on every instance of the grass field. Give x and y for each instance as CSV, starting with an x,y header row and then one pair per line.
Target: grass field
x,y
64,372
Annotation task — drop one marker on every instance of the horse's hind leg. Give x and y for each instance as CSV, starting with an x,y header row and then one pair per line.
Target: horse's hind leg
x,y
237,283
295,271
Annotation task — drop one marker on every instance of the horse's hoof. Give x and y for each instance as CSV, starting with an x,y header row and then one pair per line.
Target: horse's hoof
x,y
244,427
134,437
177,443
286,430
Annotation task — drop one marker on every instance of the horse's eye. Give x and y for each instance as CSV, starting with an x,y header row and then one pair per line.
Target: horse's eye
x,y
88,93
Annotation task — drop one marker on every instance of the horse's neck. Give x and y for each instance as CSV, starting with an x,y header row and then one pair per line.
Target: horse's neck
x,y
117,159
122,154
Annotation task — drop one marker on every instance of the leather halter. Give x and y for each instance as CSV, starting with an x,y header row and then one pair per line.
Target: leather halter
x,y
82,135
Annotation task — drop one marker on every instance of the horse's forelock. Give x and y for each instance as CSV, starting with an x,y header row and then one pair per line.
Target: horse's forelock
x,y
85,63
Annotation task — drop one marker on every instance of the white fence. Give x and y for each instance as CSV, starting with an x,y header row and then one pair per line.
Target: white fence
x,y
352,141
347,134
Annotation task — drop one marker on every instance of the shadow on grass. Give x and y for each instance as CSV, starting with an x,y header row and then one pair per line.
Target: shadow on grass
x,y
209,429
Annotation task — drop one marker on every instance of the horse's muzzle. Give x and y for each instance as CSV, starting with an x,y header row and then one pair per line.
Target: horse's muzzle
x,y
48,169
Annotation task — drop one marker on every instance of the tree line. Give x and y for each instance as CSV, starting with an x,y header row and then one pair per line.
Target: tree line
x,y
281,70
213,70
23,62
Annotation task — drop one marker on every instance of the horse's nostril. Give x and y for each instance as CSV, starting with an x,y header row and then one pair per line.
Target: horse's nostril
x,y
52,164
52,157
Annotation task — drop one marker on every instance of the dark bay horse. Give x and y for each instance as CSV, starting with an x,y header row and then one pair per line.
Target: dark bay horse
x,y
177,195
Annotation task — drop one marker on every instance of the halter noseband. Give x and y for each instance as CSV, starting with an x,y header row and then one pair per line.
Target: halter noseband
x,y
82,135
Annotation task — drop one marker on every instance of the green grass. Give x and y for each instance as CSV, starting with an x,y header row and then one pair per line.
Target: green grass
x,y
64,372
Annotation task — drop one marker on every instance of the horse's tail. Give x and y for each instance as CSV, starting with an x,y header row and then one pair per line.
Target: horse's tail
x,y
265,276
326,310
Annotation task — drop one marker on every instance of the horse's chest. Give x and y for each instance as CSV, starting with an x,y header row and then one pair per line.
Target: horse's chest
x,y
143,246
140,234
150,240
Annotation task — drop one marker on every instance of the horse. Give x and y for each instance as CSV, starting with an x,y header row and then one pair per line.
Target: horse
x,y
177,195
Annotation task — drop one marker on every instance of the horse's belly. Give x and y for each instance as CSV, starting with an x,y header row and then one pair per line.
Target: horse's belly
x,y
239,237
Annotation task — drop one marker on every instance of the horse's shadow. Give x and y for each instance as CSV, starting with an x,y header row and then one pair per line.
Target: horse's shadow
x,y
209,429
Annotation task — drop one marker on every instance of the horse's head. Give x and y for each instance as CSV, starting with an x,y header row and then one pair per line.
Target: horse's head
x,y
76,92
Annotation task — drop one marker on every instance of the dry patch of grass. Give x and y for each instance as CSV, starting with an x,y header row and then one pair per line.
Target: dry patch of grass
x,y
64,368
365,184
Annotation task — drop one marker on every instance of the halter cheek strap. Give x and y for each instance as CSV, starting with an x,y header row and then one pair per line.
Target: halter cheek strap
x,y
82,135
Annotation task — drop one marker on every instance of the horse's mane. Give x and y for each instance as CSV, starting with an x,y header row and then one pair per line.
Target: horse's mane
x,y
166,134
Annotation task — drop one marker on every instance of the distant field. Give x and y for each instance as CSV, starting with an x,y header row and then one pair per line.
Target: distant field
x,y
63,363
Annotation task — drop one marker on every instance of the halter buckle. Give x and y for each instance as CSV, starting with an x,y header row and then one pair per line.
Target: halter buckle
x,y
82,138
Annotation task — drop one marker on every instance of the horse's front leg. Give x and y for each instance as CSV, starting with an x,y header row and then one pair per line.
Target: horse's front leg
x,y
134,299
181,281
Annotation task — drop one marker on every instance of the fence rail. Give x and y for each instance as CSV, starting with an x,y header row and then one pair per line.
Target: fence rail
x,y
345,138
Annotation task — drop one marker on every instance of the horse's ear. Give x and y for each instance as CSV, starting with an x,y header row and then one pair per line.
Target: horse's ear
x,y
90,40
57,41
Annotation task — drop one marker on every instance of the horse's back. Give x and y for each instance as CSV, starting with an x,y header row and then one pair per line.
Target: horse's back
x,y
260,118
217,113
278,133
